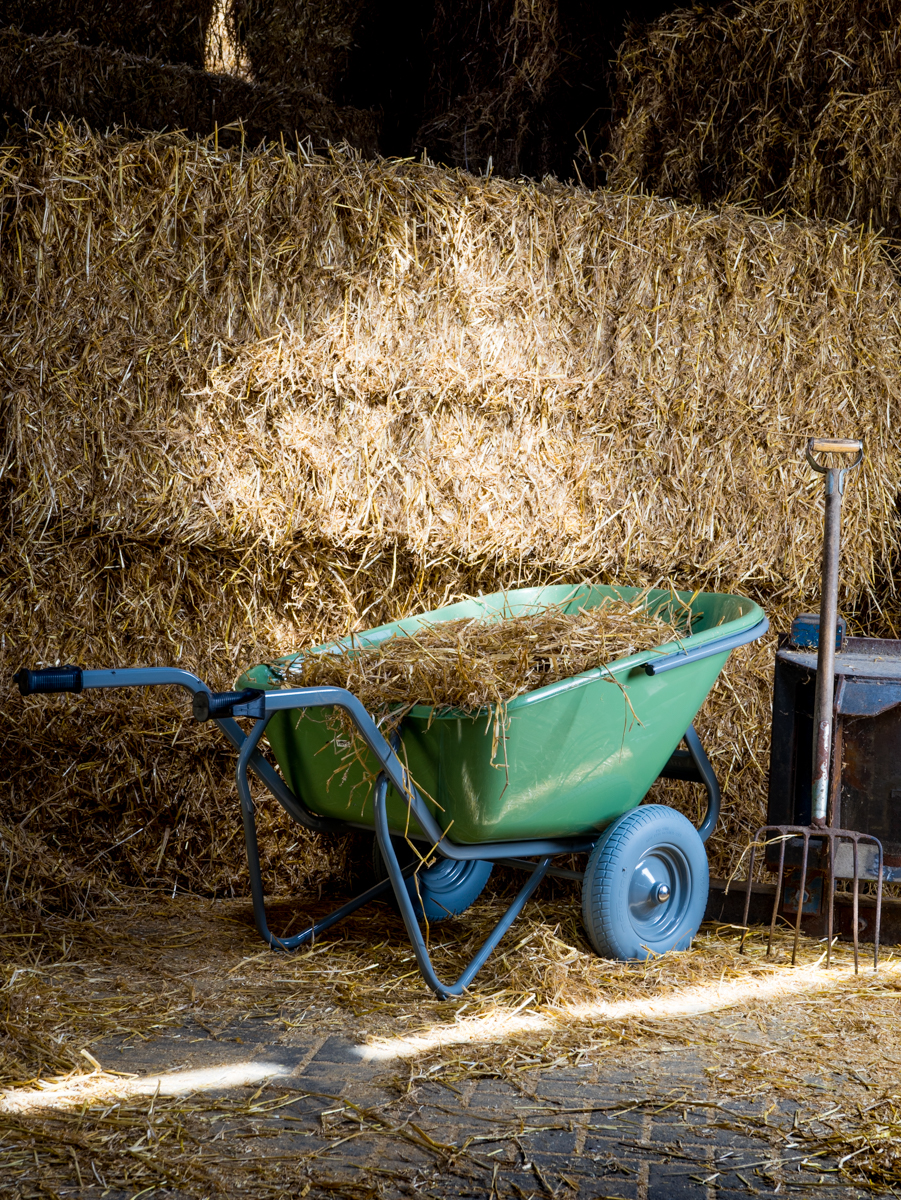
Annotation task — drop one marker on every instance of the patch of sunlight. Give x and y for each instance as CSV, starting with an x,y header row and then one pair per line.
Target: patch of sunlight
x,y
222,55
687,1002
103,1085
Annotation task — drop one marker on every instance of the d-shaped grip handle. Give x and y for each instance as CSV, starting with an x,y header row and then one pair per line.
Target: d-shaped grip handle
x,y
834,446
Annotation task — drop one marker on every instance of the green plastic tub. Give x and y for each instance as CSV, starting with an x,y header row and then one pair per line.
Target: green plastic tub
x,y
576,757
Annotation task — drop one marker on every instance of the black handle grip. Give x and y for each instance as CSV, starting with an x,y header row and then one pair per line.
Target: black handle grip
x,y
53,679
207,705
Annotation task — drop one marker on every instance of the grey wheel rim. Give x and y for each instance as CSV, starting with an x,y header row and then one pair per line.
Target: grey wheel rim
x,y
659,894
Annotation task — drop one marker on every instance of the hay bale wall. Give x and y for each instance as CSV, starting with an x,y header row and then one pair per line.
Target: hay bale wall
x,y
58,77
256,400
782,103
172,30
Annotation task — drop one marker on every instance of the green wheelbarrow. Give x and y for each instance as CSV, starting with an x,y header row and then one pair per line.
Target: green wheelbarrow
x,y
580,756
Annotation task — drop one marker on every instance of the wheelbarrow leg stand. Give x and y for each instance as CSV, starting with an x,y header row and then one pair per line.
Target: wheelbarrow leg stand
x,y
258,897
442,990
693,766
704,768
397,879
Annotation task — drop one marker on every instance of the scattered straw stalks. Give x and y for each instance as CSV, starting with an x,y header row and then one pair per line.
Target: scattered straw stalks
x,y
208,963
822,1041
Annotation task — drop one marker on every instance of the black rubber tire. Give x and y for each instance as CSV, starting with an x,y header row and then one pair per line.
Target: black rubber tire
x,y
650,846
444,890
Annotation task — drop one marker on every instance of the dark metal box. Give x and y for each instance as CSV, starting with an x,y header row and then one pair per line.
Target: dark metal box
x,y
865,781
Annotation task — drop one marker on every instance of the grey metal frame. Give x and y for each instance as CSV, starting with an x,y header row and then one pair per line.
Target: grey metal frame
x,y
224,707
721,645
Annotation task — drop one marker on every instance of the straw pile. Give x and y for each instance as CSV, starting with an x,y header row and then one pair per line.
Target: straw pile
x,y
171,30
782,103
714,105
475,665
255,401
58,77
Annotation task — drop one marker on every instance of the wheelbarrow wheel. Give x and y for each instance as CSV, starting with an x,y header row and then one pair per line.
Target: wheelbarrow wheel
x,y
645,887
444,890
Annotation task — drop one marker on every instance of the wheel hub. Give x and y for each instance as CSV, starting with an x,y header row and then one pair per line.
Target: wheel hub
x,y
658,892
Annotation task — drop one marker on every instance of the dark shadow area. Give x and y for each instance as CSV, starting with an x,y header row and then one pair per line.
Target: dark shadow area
x,y
172,30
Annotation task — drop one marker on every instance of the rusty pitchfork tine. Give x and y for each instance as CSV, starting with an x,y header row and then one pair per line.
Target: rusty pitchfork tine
x,y
769,944
878,912
802,886
856,908
744,920
830,917
825,746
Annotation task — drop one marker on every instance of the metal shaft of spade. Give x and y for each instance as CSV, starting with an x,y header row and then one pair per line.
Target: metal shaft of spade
x,y
822,719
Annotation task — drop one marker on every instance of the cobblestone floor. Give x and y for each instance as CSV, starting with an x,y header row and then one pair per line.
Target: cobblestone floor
x,y
648,1132
199,1067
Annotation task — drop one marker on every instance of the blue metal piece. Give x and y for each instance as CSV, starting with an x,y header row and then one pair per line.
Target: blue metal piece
x,y
805,631
445,889
722,645
708,776
693,766
257,893
867,697
646,883
174,677
143,677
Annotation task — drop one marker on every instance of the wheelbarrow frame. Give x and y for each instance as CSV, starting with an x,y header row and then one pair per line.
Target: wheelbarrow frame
x,y
260,706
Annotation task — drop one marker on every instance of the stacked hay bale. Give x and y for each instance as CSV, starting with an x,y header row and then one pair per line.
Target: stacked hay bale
x,y
256,400
57,77
465,83
304,43
782,103
171,30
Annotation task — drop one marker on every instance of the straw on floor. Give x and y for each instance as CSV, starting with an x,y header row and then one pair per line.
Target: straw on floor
x,y
544,1001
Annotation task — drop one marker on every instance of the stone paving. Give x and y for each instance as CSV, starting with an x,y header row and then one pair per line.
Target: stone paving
x,y
364,1128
